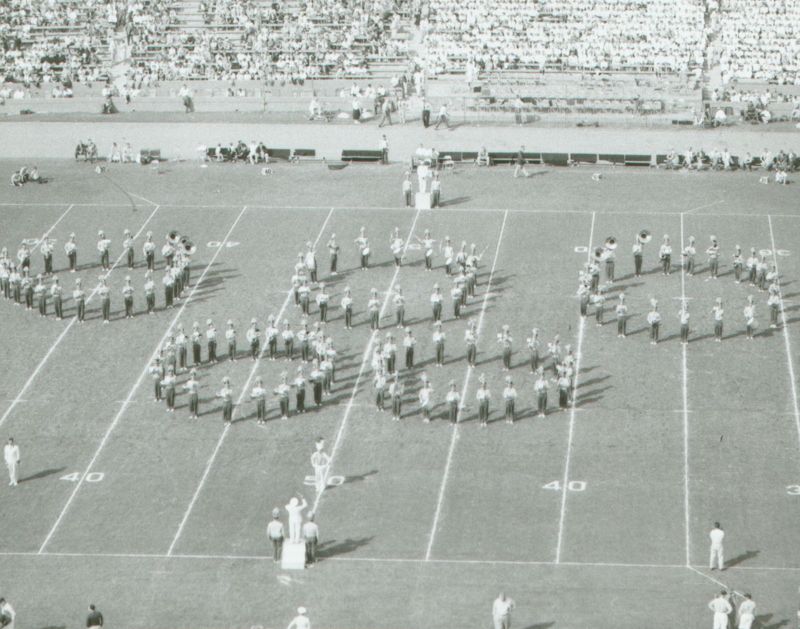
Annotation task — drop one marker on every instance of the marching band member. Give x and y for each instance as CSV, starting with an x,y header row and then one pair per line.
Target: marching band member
x,y
461,256
24,257
533,348
168,252
297,282
427,244
473,260
452,398
761,273
311,261
197,346
564,384
347,306
374,309
461,281
774,303
5,273
438,343
169,350
408,343
168,387
408,189
150,292
169,283
186,268
483,396
399,301
230,337
259,395
177,279
540,387
362,244
654,321
226,395
457,293
303,337
425,393
599,306
377,358
180,348
41,296
610,258
594,272
436,303
102,247
718,313
127,245
379,382
665,255
299,385
79,297
689,252
471,341
105,299
390,353
713,258
127,297
752,266
300,265
157,374
333,250
282,391
27,289
772,276
510,397
211,340
622,317
47,253
272,338
683,318
738,263
436,190
637,249
149,251
322,303
396,244
750,317
505,341
71,249
396,390
583,296
288,340
15,284
330,357
56,292
192,386
254,338
305,294
554,351
448,253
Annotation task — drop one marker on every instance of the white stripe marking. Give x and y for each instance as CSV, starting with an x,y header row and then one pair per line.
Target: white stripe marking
x,y
685,423
564,491
453,439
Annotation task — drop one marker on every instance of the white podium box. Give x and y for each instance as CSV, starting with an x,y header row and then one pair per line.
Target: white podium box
x,y
423,200
293,556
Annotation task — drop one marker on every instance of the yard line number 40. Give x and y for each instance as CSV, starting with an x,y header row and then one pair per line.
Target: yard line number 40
x,y
573,485
93,477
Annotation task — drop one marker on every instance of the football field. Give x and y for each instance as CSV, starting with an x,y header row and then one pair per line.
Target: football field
x,y
595,516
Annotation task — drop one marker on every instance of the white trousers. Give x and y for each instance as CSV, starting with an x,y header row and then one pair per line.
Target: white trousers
x,y
716,552
13,472
294,530
720,620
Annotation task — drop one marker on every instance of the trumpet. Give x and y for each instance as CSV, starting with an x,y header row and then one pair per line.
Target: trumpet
x,y
643,237
611,243
188,246
173,237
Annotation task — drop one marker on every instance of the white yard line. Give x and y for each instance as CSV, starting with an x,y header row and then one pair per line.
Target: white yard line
x,y
785,329
138,382
61,336
564,492
454,438
136,196
703,207
238,403
365,361
684,349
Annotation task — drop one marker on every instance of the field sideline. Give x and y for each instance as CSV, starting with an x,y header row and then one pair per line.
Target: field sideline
x,y
597,516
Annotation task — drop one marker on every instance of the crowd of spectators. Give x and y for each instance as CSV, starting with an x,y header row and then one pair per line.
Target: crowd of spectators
x,y
570,34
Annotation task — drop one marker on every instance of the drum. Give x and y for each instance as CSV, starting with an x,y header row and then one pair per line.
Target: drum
x,y
365,251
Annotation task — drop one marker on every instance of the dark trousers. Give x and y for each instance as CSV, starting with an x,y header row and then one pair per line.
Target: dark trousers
x,y
151,302
323,313
227,410
348,318
81,306
106,304
151,261
300,400
261,411
129,306
334,261
254,349
212,351
57,304
318,392
311,550
621,325
273,348
637,265
374,320
472,353
437,312
73,261
194,404
197,353
130,258
426,118
48,264
440,354
541,403
277,548
43,306
409,357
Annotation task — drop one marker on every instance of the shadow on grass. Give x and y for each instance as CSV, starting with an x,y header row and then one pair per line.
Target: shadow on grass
x,y
542,625
357,478
763,620
456,201
745,556
42,474
334,548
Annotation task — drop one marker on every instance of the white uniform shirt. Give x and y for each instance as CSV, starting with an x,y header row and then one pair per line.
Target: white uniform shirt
x,y
717,535
11,454
502,608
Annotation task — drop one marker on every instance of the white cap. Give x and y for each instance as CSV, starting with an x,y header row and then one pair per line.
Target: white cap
x,y
301,610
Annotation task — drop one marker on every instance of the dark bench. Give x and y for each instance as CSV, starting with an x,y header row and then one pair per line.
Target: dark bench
x,y
510,158
613,158
638,160
285,154
356,155
555,159
299,153
584,158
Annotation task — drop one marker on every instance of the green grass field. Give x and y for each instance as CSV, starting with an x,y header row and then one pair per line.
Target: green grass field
x,y
594,517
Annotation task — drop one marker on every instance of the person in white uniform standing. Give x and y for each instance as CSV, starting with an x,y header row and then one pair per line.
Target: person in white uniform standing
x,y
721,608
300,621
11,453
717,535
295,511
747,613
501,611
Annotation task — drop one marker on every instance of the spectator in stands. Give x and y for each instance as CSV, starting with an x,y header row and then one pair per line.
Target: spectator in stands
x,y
356,110
767,159
720,117
672,161
483,158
